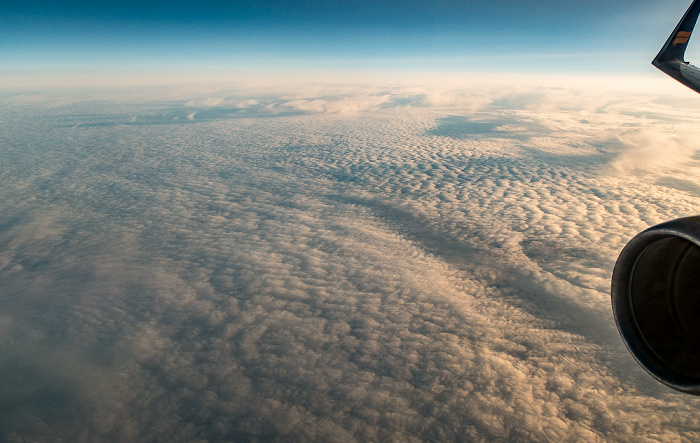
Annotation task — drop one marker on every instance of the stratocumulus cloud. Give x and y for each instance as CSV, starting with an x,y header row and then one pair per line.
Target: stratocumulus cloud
x,y
379,264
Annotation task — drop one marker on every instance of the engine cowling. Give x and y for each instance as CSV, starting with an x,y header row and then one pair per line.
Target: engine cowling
x,y
656,301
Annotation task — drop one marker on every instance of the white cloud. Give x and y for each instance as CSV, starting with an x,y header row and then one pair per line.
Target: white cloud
x,y
395,265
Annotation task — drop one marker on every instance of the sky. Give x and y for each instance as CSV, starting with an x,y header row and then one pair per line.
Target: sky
x,y
333,221
445,35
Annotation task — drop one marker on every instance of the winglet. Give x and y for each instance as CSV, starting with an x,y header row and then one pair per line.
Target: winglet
x,y
671,59
674,49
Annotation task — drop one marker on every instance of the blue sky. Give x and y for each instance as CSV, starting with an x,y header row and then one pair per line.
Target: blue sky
x,y
443,34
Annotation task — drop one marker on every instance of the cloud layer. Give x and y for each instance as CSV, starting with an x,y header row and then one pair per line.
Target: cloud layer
x,y
338,264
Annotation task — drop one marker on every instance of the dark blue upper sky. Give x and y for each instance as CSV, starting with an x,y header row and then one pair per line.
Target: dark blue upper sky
x,y
545,35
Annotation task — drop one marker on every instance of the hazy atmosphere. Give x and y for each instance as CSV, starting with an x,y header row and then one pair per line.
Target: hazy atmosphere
x,y
330,238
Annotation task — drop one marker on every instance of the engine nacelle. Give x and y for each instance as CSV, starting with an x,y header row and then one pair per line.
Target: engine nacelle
x,y
656,301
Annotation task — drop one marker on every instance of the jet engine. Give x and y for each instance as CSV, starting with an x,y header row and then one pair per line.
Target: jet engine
x,y
656,301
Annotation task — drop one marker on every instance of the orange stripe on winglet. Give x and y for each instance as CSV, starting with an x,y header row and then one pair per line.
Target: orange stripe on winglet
x,y
681,38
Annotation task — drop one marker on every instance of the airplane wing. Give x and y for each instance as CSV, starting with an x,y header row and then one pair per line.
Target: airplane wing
x,y
654,289
671,59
